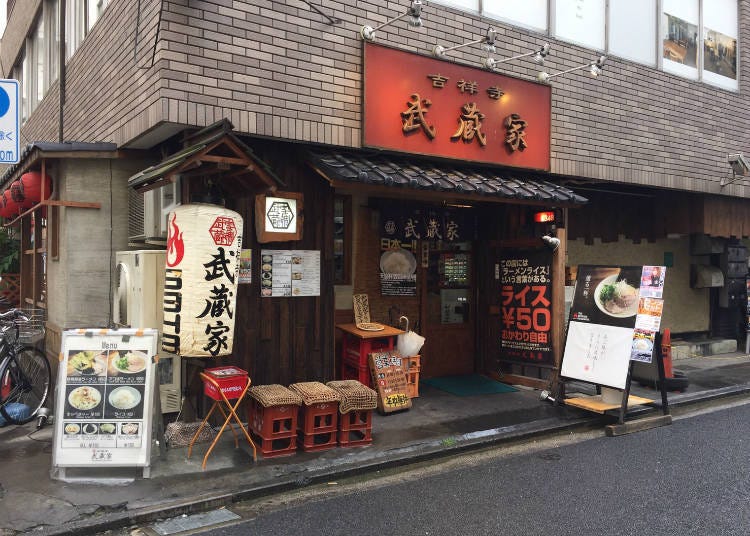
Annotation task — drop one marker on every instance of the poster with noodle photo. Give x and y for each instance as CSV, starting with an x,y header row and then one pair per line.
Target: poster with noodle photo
x,y
607,295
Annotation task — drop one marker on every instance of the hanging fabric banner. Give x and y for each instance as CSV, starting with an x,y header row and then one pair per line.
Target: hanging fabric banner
x,y
203,251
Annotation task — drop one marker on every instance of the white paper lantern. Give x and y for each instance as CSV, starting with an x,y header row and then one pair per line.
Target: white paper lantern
x,y
200,289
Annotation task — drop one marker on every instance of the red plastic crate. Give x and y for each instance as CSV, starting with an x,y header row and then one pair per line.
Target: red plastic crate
x,y
231,381
351,370
319,418
283,446
321,441
273,422
355,428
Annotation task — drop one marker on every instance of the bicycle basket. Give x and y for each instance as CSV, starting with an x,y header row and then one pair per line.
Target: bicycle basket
x,y
30,331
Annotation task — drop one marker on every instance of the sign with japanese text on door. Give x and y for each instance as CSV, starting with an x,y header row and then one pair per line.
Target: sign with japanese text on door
x,y
525,306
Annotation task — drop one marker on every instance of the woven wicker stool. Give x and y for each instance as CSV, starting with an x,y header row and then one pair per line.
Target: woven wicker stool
x,y
318,416
355,421
273,418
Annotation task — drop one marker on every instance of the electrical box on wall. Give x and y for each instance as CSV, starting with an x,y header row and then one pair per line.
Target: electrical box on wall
x,y
705,276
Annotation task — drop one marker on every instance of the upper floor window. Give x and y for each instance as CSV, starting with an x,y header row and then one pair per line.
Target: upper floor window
x,y
696,39
80,17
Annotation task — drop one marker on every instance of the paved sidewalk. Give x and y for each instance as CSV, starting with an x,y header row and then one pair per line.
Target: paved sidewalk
x,y
439,424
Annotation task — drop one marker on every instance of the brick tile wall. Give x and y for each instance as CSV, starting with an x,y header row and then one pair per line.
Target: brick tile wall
x,y
279,69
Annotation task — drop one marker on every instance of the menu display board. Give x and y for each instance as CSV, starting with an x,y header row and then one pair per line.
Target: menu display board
x,y
104,399
601,326
289,273
389,380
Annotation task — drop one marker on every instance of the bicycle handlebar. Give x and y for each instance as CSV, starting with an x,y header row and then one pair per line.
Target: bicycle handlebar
x,y
12,315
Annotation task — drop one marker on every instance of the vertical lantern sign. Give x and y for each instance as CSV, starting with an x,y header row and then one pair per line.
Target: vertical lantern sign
x,y
203,252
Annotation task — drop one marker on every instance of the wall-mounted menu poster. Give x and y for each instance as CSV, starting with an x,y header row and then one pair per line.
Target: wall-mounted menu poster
x,y
290,273
104,398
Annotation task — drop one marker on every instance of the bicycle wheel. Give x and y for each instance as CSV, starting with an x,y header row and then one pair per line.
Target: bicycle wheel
x,y
25,379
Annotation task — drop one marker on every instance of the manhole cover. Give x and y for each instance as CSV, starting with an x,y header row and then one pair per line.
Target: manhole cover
x,y
551,456
194,521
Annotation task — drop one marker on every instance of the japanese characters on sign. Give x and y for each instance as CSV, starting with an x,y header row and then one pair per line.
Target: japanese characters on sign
x,y
106,382
202,268
403,226
389,379
526,315
446,109
280,214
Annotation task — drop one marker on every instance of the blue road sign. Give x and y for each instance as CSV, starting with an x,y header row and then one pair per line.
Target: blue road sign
x,y
9,122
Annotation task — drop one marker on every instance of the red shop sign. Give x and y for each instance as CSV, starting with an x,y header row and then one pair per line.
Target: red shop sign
x,y
423,105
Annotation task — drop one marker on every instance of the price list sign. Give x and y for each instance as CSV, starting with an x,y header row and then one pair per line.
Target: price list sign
x,y
526,307
389,380
105,398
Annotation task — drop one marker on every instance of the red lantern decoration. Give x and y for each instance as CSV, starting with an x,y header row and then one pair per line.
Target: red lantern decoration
x,y
8,207
16,194
32,185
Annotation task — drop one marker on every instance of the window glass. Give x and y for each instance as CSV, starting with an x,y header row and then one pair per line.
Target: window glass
x,y
580,21
75,25
530,13
720,42
469,5
632,30
25,87
39,52
51,19
95,10
679,30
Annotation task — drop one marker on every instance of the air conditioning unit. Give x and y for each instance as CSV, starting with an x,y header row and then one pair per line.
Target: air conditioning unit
x,y
157,204
138,303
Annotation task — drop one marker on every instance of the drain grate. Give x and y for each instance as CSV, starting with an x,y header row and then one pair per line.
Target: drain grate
x,y
195,521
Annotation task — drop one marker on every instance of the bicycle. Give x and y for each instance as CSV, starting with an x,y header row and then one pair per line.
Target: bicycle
x,y
25,373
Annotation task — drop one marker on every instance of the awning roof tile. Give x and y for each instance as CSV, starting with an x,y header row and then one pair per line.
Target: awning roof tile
x,y
386,170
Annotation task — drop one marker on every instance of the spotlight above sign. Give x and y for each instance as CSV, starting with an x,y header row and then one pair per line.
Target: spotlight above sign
x,y
414,12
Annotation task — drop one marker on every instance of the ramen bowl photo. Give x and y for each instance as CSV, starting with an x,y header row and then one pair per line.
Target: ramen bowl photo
x,y
129,362
616,298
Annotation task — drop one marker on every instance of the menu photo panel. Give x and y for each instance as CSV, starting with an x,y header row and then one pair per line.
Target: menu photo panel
x,y
104,398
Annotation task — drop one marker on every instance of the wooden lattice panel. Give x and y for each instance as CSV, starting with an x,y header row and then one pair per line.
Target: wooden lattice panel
x,y
10,288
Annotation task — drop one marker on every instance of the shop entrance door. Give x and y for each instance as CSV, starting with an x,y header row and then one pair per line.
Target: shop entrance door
x,y
449,302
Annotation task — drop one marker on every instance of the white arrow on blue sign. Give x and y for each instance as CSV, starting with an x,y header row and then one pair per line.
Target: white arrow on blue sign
x,y
9,122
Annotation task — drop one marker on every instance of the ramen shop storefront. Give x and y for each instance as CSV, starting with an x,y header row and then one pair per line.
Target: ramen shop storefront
x,y
431,237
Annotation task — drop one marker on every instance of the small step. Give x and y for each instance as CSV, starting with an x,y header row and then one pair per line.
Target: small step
x,y
682,349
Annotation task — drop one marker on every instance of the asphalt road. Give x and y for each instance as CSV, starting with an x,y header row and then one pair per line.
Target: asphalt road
x,y
692,477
